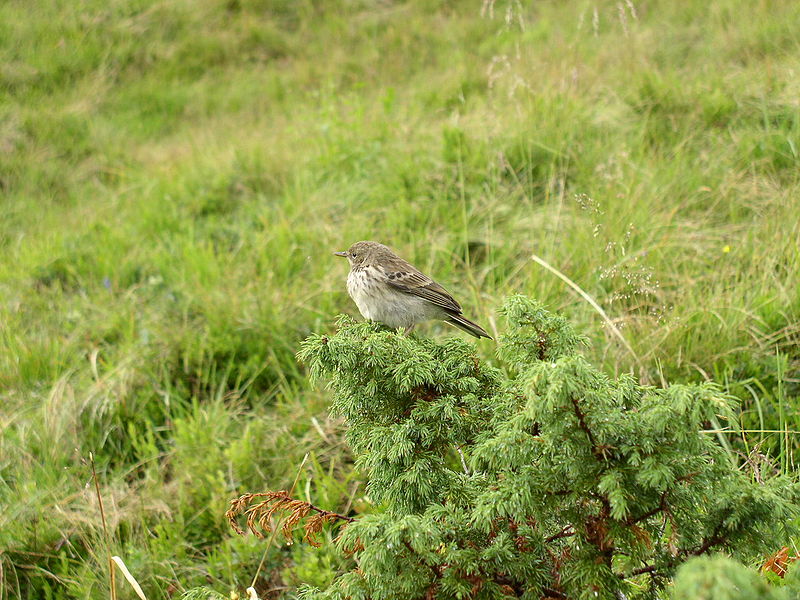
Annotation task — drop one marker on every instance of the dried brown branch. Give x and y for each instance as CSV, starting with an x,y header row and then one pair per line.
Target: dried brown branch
x,y
642,570
259,515
716,538
598,451
566,532
662,503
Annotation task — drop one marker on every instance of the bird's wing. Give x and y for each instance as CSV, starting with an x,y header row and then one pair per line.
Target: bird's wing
x,y
406,278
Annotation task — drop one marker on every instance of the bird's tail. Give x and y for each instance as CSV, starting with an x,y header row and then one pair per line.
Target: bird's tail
x,y
468,326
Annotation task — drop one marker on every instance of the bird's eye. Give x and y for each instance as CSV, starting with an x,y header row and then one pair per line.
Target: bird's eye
x,y
353,254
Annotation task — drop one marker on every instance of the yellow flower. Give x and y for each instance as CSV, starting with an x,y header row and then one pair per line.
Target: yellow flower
x,y
726,249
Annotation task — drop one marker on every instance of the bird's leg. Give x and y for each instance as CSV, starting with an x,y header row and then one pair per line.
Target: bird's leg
x,y
408,329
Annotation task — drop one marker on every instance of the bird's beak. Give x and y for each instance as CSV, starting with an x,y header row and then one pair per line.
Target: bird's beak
x,y
341,254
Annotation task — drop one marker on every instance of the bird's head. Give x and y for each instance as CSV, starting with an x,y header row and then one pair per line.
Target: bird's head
x,y
361,252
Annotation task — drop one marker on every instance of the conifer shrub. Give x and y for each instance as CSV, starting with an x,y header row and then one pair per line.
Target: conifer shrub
x,y
541,479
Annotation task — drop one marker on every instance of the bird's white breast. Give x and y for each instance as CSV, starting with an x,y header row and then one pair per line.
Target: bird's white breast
x,y
378,301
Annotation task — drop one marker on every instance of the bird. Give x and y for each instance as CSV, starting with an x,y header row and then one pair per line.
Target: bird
x,y
389,290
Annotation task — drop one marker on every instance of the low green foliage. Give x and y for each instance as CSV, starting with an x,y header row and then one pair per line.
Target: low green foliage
x,y
575,485
720,578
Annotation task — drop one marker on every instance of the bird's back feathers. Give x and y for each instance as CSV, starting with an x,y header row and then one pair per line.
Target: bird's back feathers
x,y
404,277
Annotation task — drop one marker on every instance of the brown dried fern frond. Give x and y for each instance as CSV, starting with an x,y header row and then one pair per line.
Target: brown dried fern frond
x,y
259,515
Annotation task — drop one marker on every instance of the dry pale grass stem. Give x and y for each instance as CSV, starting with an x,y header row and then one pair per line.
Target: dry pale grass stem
x,y
260,514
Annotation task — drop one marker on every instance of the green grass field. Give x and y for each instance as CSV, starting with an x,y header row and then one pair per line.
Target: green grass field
x,y
175,176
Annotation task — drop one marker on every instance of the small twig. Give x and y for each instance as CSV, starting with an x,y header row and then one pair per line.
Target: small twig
x,y
714,539
641,571
112,572
566,532
585,428
662,503
707,544
463,462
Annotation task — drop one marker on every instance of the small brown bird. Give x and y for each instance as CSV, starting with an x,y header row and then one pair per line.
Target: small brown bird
x,y
389,290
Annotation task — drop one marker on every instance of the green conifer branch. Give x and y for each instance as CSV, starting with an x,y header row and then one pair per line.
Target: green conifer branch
x,y
578,484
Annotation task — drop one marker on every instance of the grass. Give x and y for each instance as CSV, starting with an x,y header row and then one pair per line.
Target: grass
x,y
175,176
